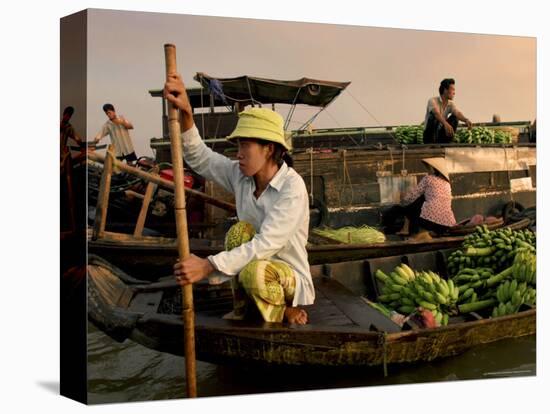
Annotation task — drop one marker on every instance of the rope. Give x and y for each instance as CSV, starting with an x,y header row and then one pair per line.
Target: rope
x,y
367,111
310,150
250,91
338,123
310,120
346,176
508,172
391,158
403,170
382,340
293,107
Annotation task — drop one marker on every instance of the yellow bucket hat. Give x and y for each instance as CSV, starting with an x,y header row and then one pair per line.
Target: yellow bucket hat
x,y
261,123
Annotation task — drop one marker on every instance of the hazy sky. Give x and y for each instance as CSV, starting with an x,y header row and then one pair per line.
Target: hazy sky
x,y
393,71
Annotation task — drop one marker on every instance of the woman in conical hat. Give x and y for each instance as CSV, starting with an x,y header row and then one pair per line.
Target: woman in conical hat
x,y
269,263
427,206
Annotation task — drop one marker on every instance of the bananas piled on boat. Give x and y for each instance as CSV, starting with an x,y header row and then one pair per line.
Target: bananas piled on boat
x,y
524,268
511,295
482,135
405,289
413,134
507,290
495,249
472,284
502,137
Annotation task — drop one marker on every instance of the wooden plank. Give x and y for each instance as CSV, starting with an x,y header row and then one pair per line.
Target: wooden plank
x,y
354,308
169,185
146,302
103,196
151,187
324,312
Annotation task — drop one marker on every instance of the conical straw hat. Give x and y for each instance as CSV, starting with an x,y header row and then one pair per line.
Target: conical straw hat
x,y
438,164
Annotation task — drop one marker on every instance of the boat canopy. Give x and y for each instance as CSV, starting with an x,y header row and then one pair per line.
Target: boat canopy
x,y
248,90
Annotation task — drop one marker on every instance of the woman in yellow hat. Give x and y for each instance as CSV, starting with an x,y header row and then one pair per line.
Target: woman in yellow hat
x,y
427,207
270,271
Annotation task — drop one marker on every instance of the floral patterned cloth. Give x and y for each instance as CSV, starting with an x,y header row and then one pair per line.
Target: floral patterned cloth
x,y
437,193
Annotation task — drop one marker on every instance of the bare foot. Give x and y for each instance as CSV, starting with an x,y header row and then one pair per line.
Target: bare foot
x,y
233,316
296,315
405,229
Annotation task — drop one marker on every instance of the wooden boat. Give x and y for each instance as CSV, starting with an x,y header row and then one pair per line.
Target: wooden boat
x,y
363,169
141,256
343,330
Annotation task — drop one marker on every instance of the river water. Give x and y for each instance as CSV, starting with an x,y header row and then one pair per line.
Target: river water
x,y
120,372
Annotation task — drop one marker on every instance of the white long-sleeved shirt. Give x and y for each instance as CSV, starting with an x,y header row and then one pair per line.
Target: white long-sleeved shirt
x,y
280,215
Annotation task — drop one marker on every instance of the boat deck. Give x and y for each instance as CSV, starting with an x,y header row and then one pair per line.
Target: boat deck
x,y
335,306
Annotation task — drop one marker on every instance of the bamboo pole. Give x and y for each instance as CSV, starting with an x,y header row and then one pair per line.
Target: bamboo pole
x,y
181,227
169,185
103,196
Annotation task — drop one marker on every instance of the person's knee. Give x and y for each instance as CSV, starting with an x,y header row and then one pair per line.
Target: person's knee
x,y
248,276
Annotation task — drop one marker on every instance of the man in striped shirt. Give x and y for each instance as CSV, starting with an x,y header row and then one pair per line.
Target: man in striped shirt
x,y
117,128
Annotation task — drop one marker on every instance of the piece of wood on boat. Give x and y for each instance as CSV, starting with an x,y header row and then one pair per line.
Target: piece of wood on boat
x,y
113,290
422,261
354,307
140,223
386,264
146,302
103,196
464,229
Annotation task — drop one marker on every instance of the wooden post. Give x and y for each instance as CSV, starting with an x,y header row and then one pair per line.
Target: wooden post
x,y
181,227
169,185
144,208
103,195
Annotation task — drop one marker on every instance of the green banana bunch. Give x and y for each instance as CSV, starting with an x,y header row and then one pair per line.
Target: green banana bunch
x,y
405,290
502,137
511,295
503,309
472,284
413,134
479,135
495,249
525,266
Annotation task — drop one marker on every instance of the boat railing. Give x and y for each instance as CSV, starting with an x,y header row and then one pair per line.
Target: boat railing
x,y
153,179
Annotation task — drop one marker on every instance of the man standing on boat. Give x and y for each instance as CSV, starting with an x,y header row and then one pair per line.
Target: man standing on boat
x,y
67,131
270,270
117,128
442,115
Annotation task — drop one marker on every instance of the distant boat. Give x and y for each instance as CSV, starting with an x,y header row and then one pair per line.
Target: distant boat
x,y
148,254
